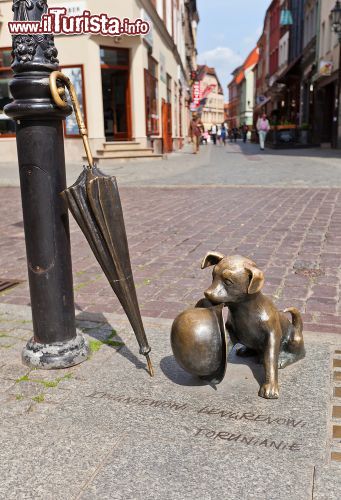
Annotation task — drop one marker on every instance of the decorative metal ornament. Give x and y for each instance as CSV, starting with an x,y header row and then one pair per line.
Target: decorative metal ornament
x,y
95,203
20,8
33,50
199,343
24,47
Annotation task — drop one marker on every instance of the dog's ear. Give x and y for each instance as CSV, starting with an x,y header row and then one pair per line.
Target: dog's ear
x,y
257,279
211,259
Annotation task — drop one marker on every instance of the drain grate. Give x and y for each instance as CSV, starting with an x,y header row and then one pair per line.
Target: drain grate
x,y
6,284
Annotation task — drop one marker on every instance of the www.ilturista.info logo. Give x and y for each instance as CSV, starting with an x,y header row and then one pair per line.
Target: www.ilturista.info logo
x,y
56,22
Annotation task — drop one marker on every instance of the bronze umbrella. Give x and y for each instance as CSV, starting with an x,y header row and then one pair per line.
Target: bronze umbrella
x,y
95,203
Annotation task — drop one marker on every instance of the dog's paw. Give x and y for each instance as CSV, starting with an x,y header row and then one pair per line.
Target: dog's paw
x,y
269,391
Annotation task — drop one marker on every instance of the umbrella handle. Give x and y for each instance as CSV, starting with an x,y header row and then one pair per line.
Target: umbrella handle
x,y
58,95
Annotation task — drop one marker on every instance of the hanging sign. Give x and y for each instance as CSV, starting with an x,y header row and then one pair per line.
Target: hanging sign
x,y
196,93
326,68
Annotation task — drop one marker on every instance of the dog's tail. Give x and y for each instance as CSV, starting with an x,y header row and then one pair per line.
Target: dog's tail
x,y
296,340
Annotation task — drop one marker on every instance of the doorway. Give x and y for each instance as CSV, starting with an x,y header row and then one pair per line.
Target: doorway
x,y
167,127
116,93
325,110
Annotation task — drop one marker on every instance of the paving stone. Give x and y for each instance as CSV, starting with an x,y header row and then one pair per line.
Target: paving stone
x,y
327,483
21,334
5,384
26,389
6,342
13,371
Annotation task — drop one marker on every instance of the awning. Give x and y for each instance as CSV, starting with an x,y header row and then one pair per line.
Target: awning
x,y
288,69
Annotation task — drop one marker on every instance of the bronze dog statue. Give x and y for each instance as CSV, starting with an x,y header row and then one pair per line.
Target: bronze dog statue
x,y
254,321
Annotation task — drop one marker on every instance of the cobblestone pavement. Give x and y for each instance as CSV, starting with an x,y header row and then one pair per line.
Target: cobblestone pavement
x,y
294,235
236,164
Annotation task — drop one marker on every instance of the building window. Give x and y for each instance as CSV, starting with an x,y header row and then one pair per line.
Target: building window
x,y
176,109
180,110
76,75
169,89
323,36
7,126
114,57
151,97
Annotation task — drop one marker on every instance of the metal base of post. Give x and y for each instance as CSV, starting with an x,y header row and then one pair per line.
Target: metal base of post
x,y
54,356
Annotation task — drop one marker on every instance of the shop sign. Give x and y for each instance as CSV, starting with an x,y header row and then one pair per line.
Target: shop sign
x,y
196,93
326,68
208,90
148,38
72,8
260,99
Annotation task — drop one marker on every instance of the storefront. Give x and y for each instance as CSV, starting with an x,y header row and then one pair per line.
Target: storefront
x,y
131,89
325,98
116,93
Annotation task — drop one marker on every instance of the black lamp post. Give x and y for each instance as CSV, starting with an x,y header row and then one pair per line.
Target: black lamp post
x,y
336,26
40,144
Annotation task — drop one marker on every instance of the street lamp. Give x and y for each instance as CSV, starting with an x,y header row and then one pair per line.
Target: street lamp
x,y
336,26
336,18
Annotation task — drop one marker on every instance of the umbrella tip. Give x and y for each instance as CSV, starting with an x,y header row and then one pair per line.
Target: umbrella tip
x,y
150,366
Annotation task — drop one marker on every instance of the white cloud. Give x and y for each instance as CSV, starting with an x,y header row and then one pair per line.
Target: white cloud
x,y
224,60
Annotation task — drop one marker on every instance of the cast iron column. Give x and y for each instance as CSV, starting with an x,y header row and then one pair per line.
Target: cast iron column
x,y
40,145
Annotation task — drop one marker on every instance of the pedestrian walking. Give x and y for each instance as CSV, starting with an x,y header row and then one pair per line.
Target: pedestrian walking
x,y
230,133
194,132
245,130
204,138
263,127
219,134
235,134
223,134
214,131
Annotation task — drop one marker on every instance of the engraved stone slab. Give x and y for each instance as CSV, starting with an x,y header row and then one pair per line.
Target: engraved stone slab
x,y
119,434
182,438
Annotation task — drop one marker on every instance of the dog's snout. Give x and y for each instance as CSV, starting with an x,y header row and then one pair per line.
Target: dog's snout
x,y
216,294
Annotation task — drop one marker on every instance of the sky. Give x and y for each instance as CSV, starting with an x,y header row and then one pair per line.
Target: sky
x,y
228,30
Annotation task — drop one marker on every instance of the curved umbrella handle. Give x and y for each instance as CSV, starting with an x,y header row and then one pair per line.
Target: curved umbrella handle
x,y
58,95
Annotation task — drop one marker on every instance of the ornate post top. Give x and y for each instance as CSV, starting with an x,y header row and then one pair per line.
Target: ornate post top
x,y
34,58
32,52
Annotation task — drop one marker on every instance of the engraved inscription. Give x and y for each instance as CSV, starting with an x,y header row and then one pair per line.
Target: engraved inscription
x,y
288,422
247,440
231,414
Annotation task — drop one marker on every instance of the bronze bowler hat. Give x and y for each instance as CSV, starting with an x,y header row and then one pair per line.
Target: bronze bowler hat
x,y
199,343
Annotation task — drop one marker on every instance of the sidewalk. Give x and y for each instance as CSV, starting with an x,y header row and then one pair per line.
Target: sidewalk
x,y
106,430
234,165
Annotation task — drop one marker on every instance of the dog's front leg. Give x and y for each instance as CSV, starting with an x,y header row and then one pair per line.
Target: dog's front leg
x,y
269,389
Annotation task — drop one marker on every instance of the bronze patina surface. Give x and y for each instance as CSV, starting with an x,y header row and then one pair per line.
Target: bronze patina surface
x,y
199,344
254,321
95,203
